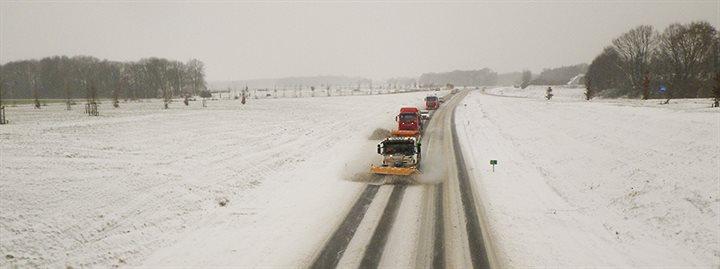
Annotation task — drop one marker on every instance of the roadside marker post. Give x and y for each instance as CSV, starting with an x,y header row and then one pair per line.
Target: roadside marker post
x,y
493,163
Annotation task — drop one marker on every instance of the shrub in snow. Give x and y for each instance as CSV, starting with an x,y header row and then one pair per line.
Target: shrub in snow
x,y
223,201
205,94
37,102
589,94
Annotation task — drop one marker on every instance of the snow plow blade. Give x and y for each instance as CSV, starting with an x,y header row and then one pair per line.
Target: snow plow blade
x,y
405,133
398,171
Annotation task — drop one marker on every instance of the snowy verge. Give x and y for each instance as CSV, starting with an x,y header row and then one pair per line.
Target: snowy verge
x,y
572,93
594,183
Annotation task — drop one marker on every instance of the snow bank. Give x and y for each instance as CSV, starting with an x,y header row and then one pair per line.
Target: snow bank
x,y
142,184
595,183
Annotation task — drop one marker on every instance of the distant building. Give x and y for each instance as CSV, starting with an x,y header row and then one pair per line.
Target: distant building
x,y
220,94
577,80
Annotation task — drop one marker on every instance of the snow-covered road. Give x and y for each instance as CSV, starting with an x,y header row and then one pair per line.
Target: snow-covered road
x,y
433,222
389,226
621,183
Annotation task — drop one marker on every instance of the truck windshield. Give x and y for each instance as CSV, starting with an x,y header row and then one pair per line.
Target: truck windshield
x,y
404,148
431,98
408,117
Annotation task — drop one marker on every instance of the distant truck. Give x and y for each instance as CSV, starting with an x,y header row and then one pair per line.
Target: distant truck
x,y
409,122
432,102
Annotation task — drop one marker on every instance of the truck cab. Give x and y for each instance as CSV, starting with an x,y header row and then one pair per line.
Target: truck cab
x,y
401,156
432,102
409,119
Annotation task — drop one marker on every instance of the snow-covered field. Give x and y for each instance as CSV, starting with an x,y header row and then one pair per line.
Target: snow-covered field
x,y
140,185
621,183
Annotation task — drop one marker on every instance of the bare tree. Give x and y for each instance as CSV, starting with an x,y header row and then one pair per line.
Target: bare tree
x,y
685,53
196,74
120,83
716,90
32,81
604,71
68,100
646,87
635,50
167,94
2,106
35,97
164,83
115,101
91,107
2,82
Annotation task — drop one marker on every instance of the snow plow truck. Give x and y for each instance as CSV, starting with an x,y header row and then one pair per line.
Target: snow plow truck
x,y
432,102
401,151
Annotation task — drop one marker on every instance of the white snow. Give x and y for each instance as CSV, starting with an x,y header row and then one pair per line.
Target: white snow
x,y
140,185
621,183
624,183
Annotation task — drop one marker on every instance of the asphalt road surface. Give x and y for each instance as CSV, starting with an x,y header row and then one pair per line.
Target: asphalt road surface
x,y
431,222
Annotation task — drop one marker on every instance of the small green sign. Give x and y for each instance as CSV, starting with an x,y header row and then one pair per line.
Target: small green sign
x,y
493,162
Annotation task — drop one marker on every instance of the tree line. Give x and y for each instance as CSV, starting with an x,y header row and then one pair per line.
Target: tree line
x,y
487,77
560,75
682,61
551,76
83,76
484,76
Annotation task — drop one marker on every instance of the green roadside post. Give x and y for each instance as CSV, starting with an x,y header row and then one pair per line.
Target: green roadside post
x,y
493,163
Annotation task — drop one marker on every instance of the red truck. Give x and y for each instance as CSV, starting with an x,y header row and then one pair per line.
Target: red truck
x,y
432,102
409,122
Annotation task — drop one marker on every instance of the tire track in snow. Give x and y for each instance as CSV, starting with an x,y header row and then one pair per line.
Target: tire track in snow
x,y
438,259
335,247
374,249
478,252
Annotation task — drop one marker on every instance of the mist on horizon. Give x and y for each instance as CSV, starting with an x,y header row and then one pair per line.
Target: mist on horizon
x,y
243,41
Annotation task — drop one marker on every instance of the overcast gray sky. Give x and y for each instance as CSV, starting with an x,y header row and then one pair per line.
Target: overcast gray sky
x,y
375,39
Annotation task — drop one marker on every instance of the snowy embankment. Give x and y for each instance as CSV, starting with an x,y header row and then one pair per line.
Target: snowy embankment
x,y
622,183
139,185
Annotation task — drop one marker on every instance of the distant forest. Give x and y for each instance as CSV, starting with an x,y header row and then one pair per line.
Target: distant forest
x,y
293,82
76,77
683,61
483,76
487,77
559,76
